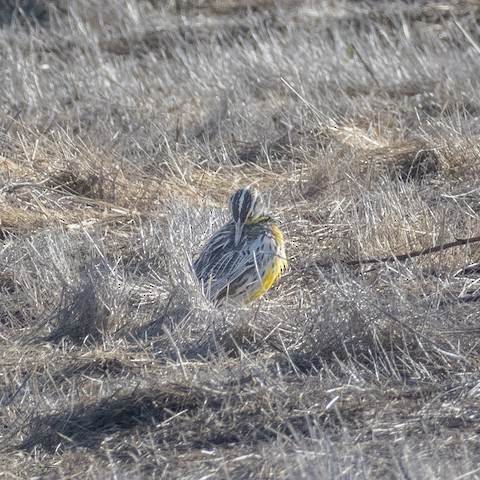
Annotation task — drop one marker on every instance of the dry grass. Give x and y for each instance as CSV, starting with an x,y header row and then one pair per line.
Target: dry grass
x,y
124,128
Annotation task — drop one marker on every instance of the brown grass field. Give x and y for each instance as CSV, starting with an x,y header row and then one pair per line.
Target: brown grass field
x,y
124,127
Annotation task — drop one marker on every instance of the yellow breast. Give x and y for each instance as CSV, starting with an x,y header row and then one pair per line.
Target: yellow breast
x,y
276,267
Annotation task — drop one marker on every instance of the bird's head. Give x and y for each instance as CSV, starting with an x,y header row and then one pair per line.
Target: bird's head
x,y
246,207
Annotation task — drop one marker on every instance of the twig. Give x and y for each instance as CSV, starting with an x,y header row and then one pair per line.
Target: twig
x,y
417,253
365,64
13,186
465,299
475,46
306,102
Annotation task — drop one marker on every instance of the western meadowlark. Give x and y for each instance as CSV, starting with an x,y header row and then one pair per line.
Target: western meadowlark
x,y
242,260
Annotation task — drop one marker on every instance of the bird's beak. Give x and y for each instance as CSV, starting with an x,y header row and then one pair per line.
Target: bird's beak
x,y
238,231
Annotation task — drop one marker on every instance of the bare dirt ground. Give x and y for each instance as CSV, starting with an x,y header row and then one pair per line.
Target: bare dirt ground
x,y
124,127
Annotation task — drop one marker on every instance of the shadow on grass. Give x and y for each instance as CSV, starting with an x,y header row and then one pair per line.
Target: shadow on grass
x,y
24,12
86,425
195,414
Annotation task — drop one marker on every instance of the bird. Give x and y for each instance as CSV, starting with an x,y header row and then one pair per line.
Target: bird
x,y
242,259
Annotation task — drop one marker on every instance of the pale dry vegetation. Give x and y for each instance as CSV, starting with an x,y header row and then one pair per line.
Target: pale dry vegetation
x,y
125,125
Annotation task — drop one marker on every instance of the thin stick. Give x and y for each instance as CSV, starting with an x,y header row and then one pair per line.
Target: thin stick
x,y
475,46
365,64
417,253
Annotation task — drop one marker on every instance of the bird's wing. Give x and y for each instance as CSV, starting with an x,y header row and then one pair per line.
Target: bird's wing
x,y
219,264
241,263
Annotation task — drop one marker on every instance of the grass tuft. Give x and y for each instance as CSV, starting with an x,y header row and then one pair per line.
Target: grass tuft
x,y
124,128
